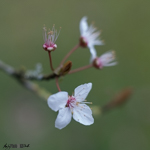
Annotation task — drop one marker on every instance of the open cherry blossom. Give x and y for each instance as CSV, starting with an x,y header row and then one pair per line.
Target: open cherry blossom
x,y
89,35
107,59
69,106
50,38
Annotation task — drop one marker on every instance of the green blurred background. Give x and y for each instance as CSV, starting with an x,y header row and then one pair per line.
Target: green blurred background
x,y
26,119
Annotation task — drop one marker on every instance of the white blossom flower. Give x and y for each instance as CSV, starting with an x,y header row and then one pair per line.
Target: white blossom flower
x,y
69,106
50,38
89,35
107,59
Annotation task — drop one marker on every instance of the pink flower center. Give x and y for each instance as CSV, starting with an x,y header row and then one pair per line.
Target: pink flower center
x,y
71,102
98,63
83,42
49,47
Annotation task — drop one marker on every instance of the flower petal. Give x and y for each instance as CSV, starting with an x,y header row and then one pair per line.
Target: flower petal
x,y
108,59
63,118
111,64
83,25
57,101
83,115
82,91
93,53
85,108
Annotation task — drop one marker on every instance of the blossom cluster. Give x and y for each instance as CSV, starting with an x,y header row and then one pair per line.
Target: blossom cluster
x,y
75,105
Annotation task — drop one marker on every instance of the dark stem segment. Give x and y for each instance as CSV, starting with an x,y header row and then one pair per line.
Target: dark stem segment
x,y
80,69
77,46
50,59
57,84
42,77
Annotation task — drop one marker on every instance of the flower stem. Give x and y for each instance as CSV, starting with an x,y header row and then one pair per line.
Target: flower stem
x,y
80,69
57,84
77,46
50,59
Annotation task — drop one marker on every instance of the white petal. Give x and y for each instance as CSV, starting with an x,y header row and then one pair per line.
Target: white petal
x,y
93,53
83,115
83,25
91,29
98,42
107,59
85,108
82,91
57,101
50,48
63,118
111,64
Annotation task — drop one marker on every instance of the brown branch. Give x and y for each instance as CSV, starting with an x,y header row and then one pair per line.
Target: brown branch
x,y
19,76
42,77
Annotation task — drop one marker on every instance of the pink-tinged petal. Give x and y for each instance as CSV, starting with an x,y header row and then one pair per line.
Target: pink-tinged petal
x,y
107,59
82,91
83,25
57,101
83,115
63,118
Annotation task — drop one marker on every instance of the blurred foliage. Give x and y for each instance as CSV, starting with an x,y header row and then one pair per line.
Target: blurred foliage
x,y
26,119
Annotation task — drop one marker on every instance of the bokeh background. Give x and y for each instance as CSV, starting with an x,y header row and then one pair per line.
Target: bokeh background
x,y
25,118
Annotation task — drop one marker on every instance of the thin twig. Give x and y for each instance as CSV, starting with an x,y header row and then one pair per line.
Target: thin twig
x,y
77,46
42,77
57,84
81,68
50,59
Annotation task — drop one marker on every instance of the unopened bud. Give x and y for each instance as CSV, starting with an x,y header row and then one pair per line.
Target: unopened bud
x,y
63,69
118,100
66,68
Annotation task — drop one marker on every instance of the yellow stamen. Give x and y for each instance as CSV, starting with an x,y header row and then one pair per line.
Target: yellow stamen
x,y
50,32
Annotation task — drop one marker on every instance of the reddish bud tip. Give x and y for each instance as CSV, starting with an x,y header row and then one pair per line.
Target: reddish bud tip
x,y
119,99
83,42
